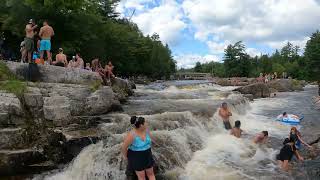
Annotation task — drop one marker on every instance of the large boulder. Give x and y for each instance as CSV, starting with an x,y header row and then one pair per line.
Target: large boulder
x,y
258,90
12,138
11,112
285,85
56,74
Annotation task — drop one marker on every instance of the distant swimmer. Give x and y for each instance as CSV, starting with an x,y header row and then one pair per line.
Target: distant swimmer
x,y
225,114
286,154
261,138
236,131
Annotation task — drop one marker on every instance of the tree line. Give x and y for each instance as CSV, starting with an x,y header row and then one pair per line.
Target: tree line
x,y
91,27
237,63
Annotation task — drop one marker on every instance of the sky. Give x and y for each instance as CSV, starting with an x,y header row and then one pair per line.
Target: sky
x,y
200,30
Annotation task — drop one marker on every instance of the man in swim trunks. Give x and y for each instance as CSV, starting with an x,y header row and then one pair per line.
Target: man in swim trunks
x,y
28,40
225,114
46,32
261,138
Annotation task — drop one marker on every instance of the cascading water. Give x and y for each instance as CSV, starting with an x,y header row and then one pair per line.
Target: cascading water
x,y
191,142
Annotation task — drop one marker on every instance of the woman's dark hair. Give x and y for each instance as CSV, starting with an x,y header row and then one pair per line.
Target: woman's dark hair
x,y
265,133
287,140
284,113
137,121
237,124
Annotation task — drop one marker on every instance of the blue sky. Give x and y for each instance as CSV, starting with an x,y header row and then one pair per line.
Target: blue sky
x,y
199,30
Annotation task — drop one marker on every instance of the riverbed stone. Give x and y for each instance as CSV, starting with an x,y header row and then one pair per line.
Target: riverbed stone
x,y
285,85
57,109
258,90
56,74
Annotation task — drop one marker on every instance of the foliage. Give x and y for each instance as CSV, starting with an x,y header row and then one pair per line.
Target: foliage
x,y
237,63
16,87
5,73
92,28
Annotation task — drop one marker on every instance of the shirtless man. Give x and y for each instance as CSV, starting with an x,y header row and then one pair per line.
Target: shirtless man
x,y
28,40
236,131
261,138
46,32
61,59
109,69
79,62
225,114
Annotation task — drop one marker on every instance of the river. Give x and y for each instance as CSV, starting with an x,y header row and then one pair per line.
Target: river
x,y
191,143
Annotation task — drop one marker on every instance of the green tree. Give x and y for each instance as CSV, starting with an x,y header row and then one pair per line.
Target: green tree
x,y
198,67
312,55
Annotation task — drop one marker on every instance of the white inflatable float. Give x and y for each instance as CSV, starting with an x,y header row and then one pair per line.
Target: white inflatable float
x,y
290,119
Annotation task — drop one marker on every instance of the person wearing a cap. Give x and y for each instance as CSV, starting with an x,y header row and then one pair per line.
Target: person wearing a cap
x,y
46,32
61,59
28,40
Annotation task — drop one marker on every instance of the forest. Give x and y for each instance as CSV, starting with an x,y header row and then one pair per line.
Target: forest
x,y
296,62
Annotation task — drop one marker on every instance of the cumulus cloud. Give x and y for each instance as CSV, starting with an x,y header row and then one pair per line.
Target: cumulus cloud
x,y
189,60
253,20
165,19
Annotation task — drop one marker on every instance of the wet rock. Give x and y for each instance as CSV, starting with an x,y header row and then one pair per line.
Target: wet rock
x,y
17,161
258,90
12,138
248,96
124,85
56,74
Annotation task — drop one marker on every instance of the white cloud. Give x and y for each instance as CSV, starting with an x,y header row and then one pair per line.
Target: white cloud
x,y
253,20
217,47
253,52
279,44
165,19
189,60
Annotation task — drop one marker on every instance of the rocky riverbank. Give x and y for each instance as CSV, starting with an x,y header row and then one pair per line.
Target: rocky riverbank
x,y
270,89
55,117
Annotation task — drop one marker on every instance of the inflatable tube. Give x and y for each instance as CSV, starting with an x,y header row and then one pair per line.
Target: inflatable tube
x,y
291,119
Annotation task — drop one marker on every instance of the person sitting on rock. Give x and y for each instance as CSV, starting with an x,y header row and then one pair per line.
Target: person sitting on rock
x,y
96,67
236,131
61,59
88,67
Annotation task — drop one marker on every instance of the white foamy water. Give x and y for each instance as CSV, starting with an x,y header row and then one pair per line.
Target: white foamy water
x,y
191,141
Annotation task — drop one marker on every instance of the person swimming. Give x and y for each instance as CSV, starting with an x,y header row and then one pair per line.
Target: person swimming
x,y
261,138
236,131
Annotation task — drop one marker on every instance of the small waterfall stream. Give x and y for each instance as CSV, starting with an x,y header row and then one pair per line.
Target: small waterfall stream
x,y
191,142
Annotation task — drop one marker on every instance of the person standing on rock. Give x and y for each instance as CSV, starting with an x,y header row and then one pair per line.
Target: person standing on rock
x,y
137,149
225,114
46,33
28,40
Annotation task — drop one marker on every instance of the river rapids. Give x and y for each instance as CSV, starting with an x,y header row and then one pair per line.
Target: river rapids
x,y
191,143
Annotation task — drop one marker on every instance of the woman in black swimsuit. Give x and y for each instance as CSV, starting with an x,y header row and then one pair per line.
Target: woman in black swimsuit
x,y
286,154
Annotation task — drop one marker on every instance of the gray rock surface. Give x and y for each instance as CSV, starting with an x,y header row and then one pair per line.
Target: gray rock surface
x,y
11,138
285,85
258,90
56,74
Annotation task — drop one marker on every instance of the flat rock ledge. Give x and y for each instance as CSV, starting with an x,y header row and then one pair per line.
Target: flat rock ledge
x,y
55,118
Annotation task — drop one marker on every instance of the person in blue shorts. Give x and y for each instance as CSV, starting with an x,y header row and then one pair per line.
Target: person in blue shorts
x,y
46,33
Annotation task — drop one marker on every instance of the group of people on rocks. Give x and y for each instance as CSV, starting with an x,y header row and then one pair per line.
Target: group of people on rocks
x,y
32,54
291,145
265,78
